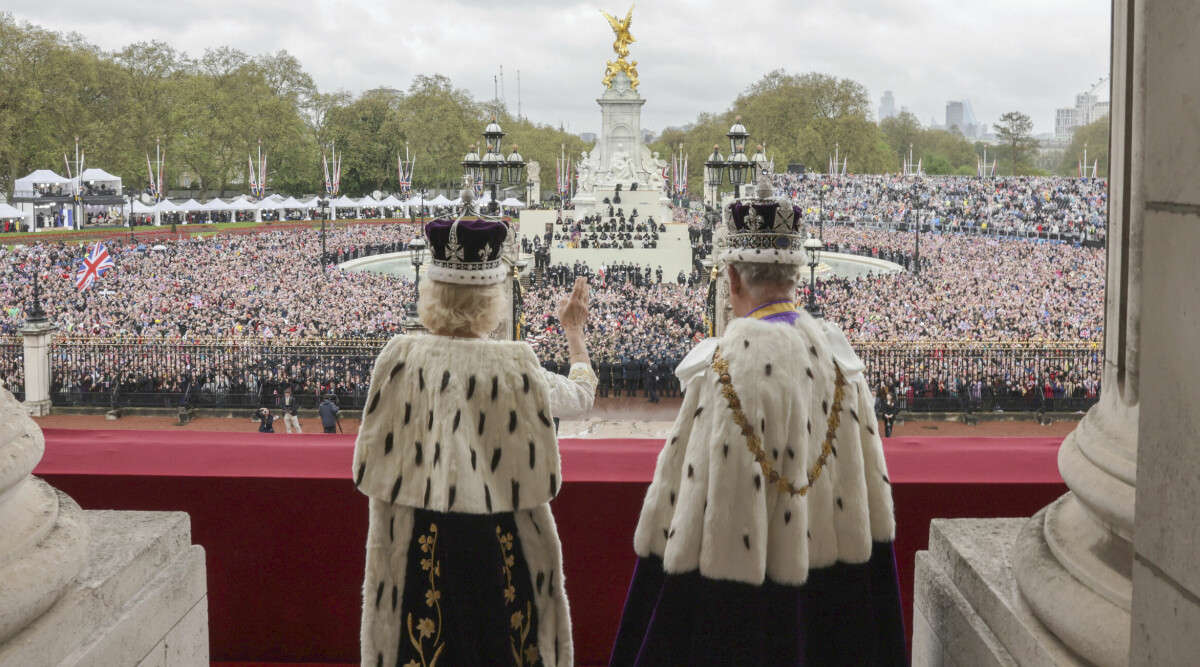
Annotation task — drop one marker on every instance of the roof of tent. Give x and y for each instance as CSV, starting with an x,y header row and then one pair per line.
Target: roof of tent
x,y
190,205
291,202
345,202
7,211
167,206
269,204
513,202
241,204
390,201
139,207
41,177
416,200
368,200
215,205
439,200
95,174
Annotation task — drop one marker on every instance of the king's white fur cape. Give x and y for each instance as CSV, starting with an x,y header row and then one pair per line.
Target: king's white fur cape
x,y
456,425
709,508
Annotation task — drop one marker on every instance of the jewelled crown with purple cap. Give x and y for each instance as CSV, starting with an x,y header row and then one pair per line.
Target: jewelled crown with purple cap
x,y
466,251
765,229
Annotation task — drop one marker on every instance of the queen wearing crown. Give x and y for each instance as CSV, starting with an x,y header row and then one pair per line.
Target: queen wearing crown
x,y
458,455
766,535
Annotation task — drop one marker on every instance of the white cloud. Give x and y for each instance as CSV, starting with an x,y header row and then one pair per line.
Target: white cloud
x,y
693,56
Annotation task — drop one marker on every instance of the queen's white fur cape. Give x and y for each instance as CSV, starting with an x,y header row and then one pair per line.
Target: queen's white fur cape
x,y
709,509
455,425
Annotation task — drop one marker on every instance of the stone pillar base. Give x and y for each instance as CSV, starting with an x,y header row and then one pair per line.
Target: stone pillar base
x,y
37,408
141,600
967,610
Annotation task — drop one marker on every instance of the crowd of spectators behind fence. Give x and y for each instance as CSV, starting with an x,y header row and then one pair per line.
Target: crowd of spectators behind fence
x,y
273,316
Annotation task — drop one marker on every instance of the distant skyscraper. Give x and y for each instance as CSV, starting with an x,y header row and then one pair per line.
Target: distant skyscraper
x,y
954,117
887,105
1087,109
961,116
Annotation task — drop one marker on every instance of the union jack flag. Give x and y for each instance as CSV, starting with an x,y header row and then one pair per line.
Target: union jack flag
x,y
90,268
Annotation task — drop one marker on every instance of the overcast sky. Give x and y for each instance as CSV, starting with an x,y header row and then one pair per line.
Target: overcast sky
x,y
693,56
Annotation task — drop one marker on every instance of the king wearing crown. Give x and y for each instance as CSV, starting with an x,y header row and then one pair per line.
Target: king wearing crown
x,y
766,535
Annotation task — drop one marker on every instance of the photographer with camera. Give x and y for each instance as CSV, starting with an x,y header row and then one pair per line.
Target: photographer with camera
x,y
328,409
266,420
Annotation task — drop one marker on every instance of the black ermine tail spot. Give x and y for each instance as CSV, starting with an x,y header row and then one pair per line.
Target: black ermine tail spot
x,y
496,458
387,443
374,402
445,380
379,595
487,497
470,387
542,416
495,387
768,369
553,484
420,457
482,420
516,494
421,378
396,369
362,470
453,491
396,487
428,490
525,381
437,452
407,413
457,419
512,420
532,454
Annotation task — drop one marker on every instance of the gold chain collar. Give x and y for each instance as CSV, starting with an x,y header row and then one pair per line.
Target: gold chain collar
x,y
754,443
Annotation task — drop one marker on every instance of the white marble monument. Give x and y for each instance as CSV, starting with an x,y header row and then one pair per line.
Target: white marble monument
x,y
620,164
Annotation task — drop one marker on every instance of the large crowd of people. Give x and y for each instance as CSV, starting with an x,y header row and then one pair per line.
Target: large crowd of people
x,y
268,289
1012,206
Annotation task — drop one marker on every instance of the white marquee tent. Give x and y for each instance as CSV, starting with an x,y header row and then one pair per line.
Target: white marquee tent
x,y
513,202
8,212
39,177
95,175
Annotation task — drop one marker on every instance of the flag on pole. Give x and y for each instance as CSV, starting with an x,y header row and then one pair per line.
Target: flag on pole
x,y
90,268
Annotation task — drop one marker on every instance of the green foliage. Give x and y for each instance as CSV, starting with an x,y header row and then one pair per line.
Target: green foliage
x,y
1095,136
1017,145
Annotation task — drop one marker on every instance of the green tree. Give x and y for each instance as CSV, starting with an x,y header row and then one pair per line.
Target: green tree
x,y
1015,132
1094,136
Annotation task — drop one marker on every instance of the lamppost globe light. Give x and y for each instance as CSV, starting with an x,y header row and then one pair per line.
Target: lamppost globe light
x,y
813,248
715,167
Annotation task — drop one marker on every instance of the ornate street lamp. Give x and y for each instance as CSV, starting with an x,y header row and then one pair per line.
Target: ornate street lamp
x,y
714,170
34,314
492,167
132,196
323,206
760,162
416,250
812,248
739,164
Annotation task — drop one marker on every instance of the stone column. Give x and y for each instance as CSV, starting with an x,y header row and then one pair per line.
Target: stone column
x,y
1166,536
44,542
37,339
1073,562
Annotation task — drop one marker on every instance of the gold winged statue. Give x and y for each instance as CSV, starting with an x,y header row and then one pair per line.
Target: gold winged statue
x,y
621,47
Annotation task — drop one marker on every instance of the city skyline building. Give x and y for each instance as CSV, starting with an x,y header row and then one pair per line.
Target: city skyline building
x,y
887,105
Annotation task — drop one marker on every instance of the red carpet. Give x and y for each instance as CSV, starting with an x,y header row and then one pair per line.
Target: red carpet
x,y
284,529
